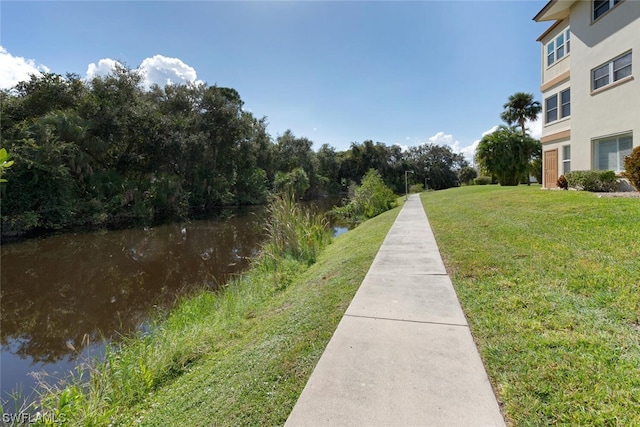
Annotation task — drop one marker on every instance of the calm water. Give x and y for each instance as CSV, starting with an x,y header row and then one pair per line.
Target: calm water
x,y
64,296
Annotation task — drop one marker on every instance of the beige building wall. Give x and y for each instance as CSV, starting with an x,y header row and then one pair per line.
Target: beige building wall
x,y
613,109
555,79
610,110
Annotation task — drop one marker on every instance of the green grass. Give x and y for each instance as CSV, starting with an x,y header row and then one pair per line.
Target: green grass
x,y
241,357
550,283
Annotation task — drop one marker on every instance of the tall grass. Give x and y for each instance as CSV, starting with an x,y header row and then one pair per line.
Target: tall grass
x,y
294,231
102,391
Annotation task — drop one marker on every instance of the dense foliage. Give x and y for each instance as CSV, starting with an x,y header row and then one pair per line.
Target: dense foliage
x,y
632,167
368,200
506,154
519,108
467,175
592,180
5,163
107,152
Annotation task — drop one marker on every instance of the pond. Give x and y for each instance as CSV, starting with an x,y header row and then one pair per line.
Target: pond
x,y
65,296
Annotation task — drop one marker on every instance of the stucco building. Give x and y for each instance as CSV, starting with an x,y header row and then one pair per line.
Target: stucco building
x,y
590,61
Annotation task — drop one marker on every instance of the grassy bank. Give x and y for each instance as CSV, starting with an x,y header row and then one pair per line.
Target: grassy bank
x,y
550,283
238,358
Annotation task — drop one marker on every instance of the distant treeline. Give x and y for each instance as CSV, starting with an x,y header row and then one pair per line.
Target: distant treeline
x,y
107,152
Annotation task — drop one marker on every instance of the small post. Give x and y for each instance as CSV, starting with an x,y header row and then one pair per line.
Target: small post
x,y
406,185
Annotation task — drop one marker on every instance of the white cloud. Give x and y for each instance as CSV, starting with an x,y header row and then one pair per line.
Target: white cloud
x,y
535,128
14,69
490,131
162,71
470,151
104,67
442,138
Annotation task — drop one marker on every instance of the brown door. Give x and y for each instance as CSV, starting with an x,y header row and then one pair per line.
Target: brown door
x,y
551,168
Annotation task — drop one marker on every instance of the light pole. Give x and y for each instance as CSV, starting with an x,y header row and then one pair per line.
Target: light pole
x,y
406,186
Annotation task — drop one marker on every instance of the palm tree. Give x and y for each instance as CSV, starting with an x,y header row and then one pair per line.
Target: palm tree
x,y
520,108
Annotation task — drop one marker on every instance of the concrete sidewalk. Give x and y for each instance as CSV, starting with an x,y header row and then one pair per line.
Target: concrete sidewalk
x,y
402,354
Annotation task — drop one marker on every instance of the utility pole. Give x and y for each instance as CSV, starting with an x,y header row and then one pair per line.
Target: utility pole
x,y
406,185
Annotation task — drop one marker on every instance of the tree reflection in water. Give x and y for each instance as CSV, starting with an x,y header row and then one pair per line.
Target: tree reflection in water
x,y
63,292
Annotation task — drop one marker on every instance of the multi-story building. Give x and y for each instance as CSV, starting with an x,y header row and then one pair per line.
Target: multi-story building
x,y
590,86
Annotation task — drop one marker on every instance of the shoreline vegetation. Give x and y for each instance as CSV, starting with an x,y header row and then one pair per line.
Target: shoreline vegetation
x,y
238,357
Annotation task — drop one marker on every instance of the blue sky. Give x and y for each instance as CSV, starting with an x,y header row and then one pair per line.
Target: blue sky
x,y
335,72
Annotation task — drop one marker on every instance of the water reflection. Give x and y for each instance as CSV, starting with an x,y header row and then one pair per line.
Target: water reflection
x,y
63,297
62,293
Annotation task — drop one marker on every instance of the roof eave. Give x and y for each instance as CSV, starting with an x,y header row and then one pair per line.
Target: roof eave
x,y
554,10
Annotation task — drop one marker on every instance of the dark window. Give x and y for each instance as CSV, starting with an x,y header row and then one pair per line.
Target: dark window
x,y
551,104
600,7
611,72
565,102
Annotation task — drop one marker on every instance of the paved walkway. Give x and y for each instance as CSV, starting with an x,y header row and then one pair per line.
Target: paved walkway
x,y
402,354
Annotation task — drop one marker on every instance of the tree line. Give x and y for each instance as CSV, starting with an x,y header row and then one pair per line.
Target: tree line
x,y
107,152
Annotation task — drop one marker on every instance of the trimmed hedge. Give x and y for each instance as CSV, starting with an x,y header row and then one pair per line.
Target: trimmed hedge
x,y
592,180
482,180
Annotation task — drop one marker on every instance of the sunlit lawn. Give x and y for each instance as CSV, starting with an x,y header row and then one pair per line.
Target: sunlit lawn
x,y
550,283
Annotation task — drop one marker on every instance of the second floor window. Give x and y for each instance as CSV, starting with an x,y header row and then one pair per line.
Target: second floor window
x,y
555,110
600,7
559,47
611,72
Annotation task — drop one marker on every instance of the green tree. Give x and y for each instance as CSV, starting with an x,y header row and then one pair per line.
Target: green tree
x,y
369,199
519,108
328,169
506,153
5,163
293,152
295,182
438,164
467,174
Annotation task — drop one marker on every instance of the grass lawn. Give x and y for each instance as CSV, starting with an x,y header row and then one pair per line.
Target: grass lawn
x,y
550,283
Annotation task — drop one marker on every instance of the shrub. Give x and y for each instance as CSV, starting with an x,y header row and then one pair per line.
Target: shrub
x,y
632,167
467,174
562,182
373,195
592,180
416,188
482,180
370,199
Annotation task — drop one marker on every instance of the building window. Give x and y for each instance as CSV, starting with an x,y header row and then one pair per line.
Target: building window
x,y
600,7
611,72
551,105
566,159
555,112
559,47
610,152
565,100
